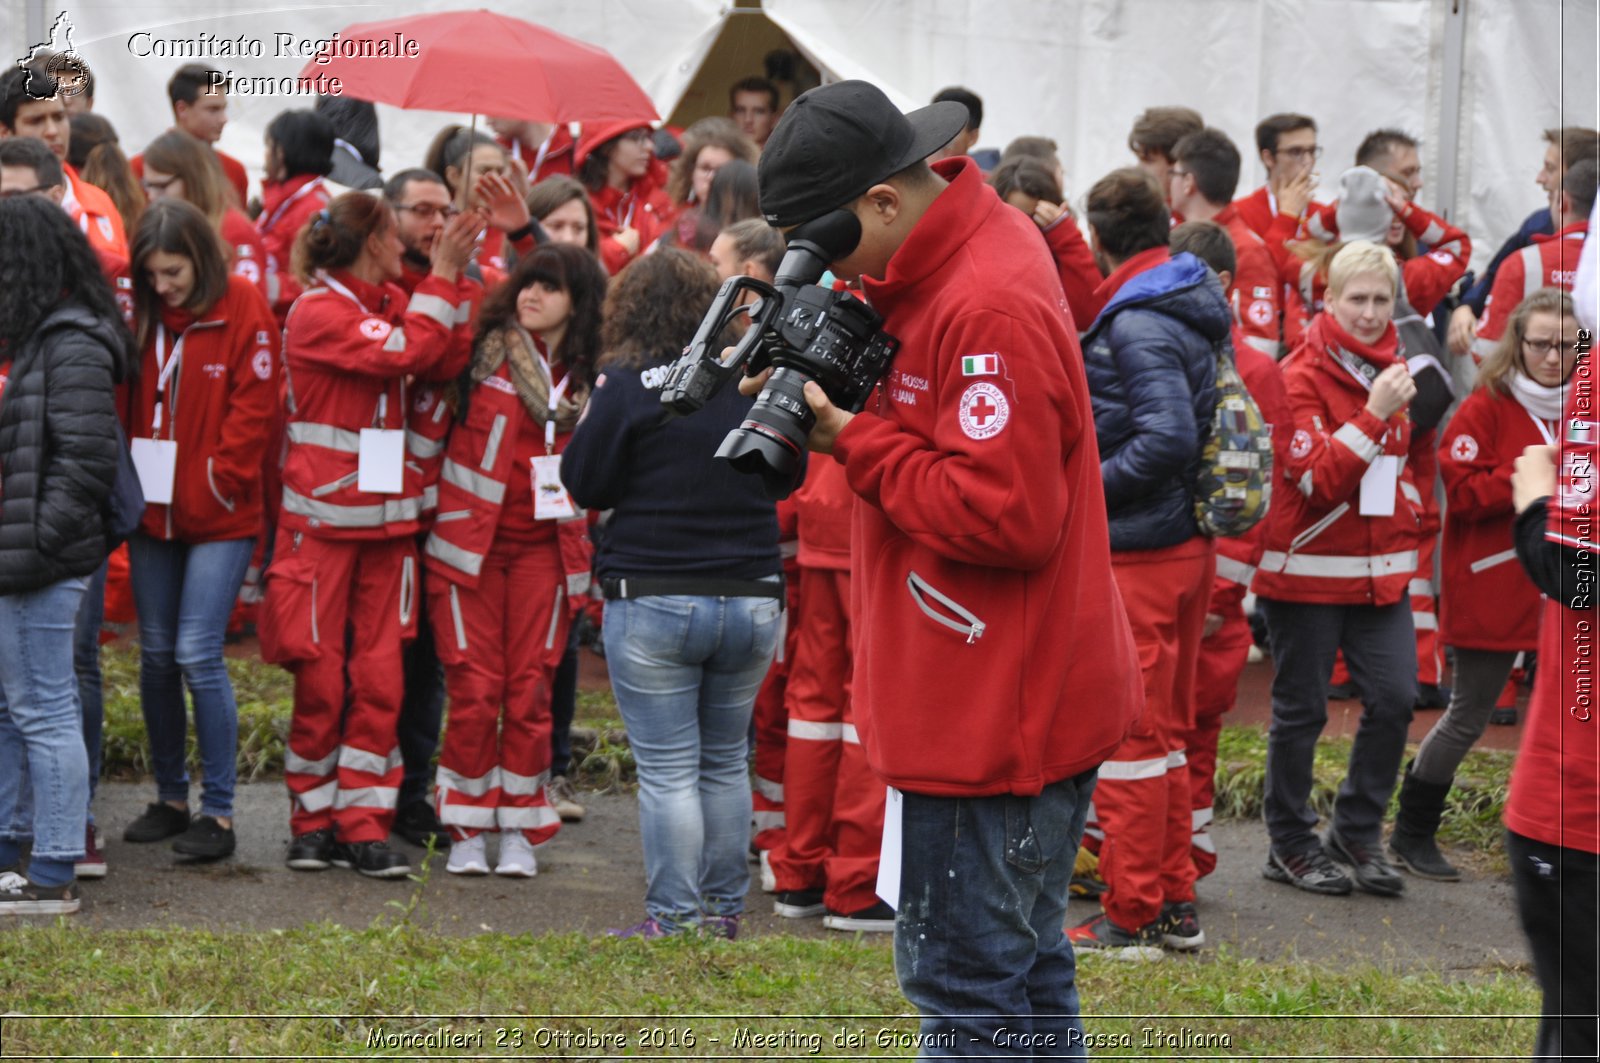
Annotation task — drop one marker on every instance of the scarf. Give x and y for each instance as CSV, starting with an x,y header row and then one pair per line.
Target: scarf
x,y
1368,360
1544,403
514,345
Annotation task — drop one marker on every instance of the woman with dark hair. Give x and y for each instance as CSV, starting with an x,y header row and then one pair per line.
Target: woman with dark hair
x,y
179,166
342,591
1490,609
562,207
691,573
1032,186
708,145
206,393
503,552
94,151
299,156
63,348
616,162
459,155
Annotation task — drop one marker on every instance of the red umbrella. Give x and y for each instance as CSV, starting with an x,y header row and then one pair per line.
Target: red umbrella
x,y
481,62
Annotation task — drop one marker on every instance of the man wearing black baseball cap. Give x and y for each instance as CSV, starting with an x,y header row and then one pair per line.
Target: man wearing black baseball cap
x,y
994,668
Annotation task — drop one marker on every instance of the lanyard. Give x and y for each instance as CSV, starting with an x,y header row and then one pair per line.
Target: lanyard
x,y
626,222
544,149
165,369
1348,360
346,292
1544,426
383,400
556,391
272,219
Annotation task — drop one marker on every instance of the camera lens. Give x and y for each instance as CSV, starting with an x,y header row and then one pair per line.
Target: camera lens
x,y
771,440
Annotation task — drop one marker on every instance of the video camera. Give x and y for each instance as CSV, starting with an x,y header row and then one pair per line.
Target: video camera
x,y
805,332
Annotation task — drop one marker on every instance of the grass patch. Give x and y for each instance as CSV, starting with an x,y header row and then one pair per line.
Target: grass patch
x,y
605,762
323,990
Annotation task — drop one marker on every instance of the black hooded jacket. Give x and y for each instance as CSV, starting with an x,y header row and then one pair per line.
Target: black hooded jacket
x,y
58,449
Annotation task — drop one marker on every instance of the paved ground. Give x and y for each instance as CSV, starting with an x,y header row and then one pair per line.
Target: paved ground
x,y
591,878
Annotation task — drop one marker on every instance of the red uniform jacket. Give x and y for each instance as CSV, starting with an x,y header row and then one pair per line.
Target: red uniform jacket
x,y
1548,262
1319,547
217,406
1257,292
1555,787
550,159
347,359
823,504
485,464
979,535
232,169
1259,211
1425,278
1080,276
286,206
96,215
1488,601
1238,556
249,256
644,206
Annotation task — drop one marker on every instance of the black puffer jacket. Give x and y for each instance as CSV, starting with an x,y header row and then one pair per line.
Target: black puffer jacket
x,y
58,449
1152,366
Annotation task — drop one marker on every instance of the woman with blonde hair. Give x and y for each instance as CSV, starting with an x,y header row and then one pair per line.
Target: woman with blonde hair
x,y
1490,608
179,166
1341,547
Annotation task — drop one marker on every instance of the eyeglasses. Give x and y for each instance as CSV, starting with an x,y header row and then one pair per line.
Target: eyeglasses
x,y
428,211
1301,154
1544,348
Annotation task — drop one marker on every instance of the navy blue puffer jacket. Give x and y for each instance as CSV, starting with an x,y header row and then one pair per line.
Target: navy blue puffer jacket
x,y
1152,366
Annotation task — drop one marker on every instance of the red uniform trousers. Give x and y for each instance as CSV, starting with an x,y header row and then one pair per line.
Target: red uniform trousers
x,y
500,645
1143,794
1223,657
770,720
356,600
833,801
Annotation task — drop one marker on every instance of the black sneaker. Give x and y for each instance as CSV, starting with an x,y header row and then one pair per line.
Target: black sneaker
x,y
373,859
878,919
159,822
18,896
1099,934
1311,871
1503,717
312,851
1180,926
1372,872
418,823
206,839
799,904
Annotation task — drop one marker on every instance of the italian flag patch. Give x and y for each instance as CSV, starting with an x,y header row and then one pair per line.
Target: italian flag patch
x,y
980,364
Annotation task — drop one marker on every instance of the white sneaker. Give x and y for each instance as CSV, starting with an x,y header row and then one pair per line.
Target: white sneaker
x,y
516,856
468,857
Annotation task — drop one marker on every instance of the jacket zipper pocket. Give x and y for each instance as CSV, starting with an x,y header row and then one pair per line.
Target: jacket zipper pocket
x,y
1319,527
1485,563
329,488
212,481
921,590
454,514
491,450
555,617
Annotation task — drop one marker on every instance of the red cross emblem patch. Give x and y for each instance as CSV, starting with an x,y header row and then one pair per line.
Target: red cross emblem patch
x,y
375,328
1260,313
984,411
1465,448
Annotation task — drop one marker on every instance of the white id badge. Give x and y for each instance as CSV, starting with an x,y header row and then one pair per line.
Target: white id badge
x,y
1378,486
550,498
156,462
381,468
888,888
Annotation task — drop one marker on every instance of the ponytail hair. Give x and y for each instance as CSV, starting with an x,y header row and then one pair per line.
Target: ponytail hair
x,y
336,235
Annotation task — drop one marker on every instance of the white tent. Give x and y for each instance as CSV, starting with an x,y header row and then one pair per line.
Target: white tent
x,y
1477,80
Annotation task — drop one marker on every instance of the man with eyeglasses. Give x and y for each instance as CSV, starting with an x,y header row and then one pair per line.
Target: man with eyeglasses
x,y
1548,262
1287,145
31,106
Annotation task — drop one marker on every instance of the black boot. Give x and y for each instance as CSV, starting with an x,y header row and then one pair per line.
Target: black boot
x,y
1412,844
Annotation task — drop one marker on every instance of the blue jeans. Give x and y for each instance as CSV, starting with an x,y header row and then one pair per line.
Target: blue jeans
x,y
685,671
86,661
185,593
41,727
978,940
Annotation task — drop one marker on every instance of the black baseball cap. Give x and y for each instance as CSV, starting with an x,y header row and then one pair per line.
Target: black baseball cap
x,y
836,141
